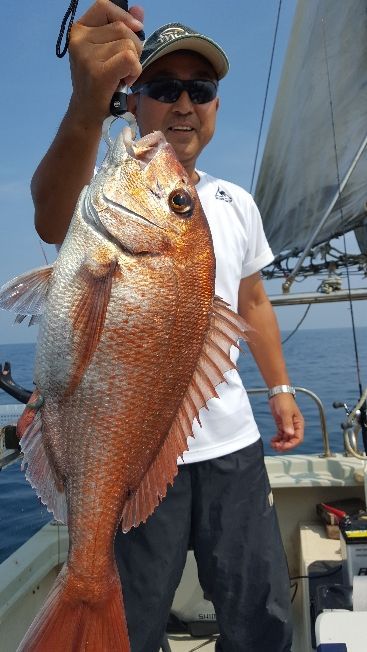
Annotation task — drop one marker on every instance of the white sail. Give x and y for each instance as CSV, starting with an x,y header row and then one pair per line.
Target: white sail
x,y
298,176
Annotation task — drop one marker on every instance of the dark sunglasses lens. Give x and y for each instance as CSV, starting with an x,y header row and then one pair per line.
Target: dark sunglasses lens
x,y
169,90
165,91
202,91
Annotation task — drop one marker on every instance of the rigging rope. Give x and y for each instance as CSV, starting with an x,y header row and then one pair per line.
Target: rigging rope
x,y
363,406
266,95
341,208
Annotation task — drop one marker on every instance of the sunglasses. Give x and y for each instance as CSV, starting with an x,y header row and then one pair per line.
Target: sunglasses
x,y
168,91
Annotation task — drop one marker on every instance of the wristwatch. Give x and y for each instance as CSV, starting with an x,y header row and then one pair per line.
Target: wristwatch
x,y
281,389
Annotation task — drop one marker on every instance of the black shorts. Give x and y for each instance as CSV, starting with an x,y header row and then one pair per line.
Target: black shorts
x,y
224,508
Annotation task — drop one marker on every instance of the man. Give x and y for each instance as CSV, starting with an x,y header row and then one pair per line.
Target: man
x,y
221,498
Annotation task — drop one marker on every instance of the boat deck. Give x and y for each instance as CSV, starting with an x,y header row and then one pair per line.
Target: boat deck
x,y
298,482
186,643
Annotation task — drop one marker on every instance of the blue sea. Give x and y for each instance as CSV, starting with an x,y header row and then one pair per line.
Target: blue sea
x,y
320,360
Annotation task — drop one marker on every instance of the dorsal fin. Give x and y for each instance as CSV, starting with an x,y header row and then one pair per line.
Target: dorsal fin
x,y
225,328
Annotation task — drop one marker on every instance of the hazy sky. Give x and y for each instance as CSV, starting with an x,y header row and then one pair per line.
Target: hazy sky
x,y
35,91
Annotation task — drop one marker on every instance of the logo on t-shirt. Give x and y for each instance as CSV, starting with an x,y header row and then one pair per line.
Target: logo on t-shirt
x,y
221,194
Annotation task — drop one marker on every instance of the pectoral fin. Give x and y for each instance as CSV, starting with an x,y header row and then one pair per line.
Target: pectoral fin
x,y
26,294
225,328
89,312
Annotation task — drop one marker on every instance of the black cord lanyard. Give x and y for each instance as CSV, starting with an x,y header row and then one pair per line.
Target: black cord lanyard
x,y
69,16
118,105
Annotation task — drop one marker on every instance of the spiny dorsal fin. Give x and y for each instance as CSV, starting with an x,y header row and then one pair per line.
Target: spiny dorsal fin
x,y
224,330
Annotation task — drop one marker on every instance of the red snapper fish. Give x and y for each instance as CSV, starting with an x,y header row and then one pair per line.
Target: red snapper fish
x,y
132,343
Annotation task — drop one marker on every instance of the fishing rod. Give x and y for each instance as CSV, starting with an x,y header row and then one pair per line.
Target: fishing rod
x,y
11,387
118,105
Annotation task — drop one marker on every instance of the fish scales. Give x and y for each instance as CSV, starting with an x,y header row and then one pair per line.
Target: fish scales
x,y
130,348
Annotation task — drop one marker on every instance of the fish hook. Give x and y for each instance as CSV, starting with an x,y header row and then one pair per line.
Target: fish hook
x,y
107,124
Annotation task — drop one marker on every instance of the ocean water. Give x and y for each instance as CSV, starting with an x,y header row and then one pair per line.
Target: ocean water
x,y
320,360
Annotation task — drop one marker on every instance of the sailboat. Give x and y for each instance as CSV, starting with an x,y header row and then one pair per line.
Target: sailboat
x,y
311,186
311,189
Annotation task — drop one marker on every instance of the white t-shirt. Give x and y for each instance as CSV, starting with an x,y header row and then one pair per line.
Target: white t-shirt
x,y
241,249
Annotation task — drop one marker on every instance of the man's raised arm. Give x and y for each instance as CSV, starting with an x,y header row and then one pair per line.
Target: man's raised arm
x,y
103,50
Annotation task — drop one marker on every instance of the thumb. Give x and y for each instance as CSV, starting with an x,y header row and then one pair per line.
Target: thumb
x,y
287,425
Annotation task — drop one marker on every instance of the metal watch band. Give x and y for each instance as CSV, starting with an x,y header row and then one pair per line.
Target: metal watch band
x,y
281,389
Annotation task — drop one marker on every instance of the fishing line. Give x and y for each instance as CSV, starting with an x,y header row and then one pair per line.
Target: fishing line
x,y
43,251
266,95
298,325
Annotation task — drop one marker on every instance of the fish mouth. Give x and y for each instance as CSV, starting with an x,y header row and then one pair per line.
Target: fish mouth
x,y
145,149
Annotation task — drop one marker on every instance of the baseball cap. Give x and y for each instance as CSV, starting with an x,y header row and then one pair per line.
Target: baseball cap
x,y
175,36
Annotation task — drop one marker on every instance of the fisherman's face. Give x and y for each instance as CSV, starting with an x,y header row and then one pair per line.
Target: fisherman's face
x,y
187,126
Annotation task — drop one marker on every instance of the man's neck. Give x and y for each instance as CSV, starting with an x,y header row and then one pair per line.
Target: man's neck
x,y
195,178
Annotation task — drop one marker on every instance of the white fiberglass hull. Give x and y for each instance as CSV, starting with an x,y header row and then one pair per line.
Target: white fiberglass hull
x,y
299,482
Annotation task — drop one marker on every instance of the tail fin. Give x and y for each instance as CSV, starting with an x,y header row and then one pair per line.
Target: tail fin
x,y
68,623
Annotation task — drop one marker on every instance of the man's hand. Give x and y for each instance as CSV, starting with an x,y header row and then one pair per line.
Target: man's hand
x,y
289,422
104,49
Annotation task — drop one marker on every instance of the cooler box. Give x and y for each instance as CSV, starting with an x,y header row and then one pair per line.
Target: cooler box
x,y
341,631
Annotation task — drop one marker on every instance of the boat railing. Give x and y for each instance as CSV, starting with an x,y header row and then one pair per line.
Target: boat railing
x,y
352,426
325,435
8,454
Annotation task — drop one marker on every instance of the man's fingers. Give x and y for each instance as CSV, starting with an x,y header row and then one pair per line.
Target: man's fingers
x,y
104,11
104,53
104,49
137,12
288,445
116,31
287,426
280,444
112,50
299,427
122,59
290,432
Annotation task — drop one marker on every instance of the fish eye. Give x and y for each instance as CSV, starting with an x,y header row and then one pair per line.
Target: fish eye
x,y
181,202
